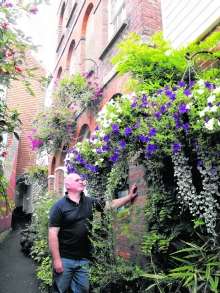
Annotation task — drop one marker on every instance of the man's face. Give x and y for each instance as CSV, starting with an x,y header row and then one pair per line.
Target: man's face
x,y
74,183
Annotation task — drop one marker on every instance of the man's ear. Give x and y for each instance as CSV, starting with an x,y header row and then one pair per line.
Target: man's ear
x,y
67,185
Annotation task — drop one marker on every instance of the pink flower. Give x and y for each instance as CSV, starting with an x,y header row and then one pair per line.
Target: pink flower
x,y
33,9
18,69
4,25
8,54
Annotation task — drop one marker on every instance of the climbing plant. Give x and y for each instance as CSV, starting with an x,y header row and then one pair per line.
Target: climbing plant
x,y
171,125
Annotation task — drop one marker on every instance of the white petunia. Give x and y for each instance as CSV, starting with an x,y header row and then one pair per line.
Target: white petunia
x,y
200,82
211,99
214,108
188,106
200,91
210,124
202,113
217,90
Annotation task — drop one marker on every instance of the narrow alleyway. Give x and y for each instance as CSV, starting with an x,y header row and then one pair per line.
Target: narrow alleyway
x,y
17,272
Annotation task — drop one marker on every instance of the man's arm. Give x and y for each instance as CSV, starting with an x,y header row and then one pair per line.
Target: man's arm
x,y
54,249
119,202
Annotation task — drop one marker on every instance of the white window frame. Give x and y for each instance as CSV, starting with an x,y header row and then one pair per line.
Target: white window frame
x,y
117,15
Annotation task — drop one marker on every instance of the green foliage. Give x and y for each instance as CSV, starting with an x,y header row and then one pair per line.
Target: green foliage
x,y
198,267
79,91
155,63
9,119
109,271
44,271
53,127
40,251
37,173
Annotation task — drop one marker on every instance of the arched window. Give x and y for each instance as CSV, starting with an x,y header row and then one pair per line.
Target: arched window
x,y
87,35
69,56
84,132
59,73
60,25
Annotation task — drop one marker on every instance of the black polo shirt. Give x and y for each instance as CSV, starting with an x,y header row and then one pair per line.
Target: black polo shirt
x,y
74,221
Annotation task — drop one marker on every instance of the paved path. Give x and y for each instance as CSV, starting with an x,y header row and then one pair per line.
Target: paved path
x,y
17,272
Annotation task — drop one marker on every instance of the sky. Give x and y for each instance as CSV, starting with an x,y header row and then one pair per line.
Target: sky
x,y
42,28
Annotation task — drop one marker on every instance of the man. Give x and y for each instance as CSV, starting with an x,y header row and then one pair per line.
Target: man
x,y
69,234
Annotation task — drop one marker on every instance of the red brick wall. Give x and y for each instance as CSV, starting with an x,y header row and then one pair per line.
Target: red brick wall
x,y
143,17
20,155
27,105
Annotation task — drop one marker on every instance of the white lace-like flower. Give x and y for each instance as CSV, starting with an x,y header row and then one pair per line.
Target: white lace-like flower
x,y
210,124
200,91
211,99
217,90
214,108
201,82
202,113
188,106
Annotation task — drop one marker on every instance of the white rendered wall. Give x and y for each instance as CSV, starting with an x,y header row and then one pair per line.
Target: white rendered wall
x,y
186,20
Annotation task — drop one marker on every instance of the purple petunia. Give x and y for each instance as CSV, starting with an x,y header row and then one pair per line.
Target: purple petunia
x,y
170,94
181,83
191,83
186,126
210,85
144,98
127,131
159,92
152,132
163,109
143,138
183,108
151,148
92,168
97,128
122,143
71,169
115,128
157,115
99,151
187,92
105,148
134,103
106,138
80,159
176,147
114,158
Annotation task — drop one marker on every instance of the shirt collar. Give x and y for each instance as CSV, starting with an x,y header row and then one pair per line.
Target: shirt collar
x,y
82,196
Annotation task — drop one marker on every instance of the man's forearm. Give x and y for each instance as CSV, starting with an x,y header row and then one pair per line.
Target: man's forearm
x,y
54,244
119,202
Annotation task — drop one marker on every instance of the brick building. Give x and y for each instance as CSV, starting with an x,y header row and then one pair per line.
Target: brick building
x,y
88,32
20,154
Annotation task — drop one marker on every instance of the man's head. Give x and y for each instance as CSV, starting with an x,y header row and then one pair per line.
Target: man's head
x,y
74,183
